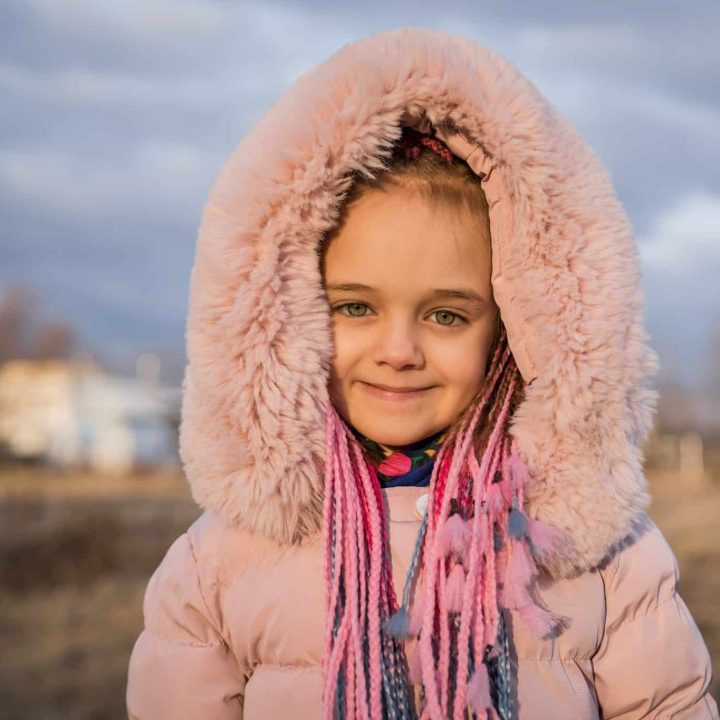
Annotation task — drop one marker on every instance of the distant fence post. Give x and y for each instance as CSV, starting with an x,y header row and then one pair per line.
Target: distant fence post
x,y
690,456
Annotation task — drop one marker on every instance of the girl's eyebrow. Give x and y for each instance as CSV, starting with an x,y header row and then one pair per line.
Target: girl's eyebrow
x,y
451,293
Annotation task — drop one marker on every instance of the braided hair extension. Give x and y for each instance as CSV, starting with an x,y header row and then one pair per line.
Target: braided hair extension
x,y
475,555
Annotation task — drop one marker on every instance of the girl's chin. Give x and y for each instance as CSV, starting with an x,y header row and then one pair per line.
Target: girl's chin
x,y
386,433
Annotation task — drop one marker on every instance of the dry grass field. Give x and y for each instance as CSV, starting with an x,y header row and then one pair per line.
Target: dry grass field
x,y
76,552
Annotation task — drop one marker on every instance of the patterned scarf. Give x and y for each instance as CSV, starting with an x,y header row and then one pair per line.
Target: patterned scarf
x,y
404,465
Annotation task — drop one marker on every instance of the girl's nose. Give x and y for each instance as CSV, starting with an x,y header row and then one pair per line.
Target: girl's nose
x,y
398,345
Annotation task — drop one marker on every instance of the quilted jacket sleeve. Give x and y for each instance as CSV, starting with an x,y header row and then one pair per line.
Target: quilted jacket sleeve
x,y
652,662
180,666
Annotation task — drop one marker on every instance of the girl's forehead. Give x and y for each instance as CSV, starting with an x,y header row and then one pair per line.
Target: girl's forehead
x,y
387,240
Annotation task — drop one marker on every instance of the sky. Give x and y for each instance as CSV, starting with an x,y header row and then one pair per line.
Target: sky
x,y
117,116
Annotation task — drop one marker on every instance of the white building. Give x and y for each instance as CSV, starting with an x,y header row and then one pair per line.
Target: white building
x,y
70,413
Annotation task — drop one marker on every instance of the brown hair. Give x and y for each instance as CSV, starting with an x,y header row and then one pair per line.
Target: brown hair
x,y
424,165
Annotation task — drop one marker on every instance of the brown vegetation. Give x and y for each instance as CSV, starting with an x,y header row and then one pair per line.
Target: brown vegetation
x,y
26,333
77,552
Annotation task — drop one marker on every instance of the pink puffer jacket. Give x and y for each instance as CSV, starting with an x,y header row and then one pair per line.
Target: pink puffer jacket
x,y
234,628
234,614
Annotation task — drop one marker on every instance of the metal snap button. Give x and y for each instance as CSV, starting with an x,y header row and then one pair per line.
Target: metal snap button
x,y
421,504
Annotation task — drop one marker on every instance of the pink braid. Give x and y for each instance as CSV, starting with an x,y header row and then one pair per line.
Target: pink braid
x,y
359,585
354,672
480,483
334,588
334,652
376,559
331,588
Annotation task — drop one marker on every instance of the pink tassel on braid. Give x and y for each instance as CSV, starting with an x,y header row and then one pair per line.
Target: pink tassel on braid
x,y
520,576
455,589
454,535
545,539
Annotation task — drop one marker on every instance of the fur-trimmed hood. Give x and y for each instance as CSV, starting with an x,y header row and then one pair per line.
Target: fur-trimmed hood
x,y
565,276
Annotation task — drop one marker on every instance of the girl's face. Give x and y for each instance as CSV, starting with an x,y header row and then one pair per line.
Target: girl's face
x,y
396,273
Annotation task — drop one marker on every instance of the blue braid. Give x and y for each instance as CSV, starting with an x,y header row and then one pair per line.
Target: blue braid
x,y
414,561
499,671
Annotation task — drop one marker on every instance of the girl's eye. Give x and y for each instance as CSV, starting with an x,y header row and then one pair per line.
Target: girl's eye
x,y
452,314
352,305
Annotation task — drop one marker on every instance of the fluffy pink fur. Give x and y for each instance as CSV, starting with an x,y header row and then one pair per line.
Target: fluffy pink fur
x,y
566,279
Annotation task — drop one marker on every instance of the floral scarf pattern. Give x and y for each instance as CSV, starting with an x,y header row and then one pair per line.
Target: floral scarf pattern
x,y
404,465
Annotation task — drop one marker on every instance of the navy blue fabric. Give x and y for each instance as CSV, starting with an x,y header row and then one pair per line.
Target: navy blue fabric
x,y
417,476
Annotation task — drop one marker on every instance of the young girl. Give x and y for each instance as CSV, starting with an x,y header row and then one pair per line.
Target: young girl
x,y
418,386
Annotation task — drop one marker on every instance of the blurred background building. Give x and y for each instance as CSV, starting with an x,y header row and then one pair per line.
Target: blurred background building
x,y
60,408
73,414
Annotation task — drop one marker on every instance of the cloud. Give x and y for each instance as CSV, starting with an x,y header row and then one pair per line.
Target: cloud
x,y
685,242
118,115
159,23
76,187
680,261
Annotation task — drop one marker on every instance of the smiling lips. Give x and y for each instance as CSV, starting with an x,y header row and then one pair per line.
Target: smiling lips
x,y
385,392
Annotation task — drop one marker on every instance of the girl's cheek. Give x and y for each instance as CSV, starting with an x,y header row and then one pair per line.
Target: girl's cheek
x,y
345,355
349,342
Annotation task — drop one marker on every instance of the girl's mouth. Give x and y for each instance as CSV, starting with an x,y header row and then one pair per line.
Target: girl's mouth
x,y
394,395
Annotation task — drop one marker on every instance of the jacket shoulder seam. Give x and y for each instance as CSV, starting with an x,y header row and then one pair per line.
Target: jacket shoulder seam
x,y
648,611
206,605
180,643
